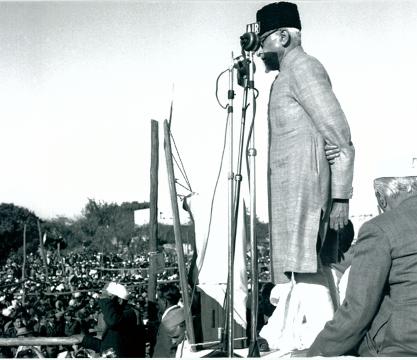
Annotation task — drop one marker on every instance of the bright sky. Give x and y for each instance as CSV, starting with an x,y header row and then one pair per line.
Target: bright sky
x,y
80,82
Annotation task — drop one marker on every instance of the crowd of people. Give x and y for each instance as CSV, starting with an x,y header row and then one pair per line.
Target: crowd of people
x,y
310,176
65,301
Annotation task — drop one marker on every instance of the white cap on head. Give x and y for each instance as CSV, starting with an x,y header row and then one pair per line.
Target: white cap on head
x,y
8,311
118,290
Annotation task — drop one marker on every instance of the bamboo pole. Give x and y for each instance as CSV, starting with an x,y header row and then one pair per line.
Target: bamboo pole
x,y
153,212
135,269
24,264
39,341
45,263
177,232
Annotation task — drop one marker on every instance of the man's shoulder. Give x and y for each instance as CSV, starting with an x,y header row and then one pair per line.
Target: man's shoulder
x,y
378,223
407,206
305,66
391,220
302,59
174,317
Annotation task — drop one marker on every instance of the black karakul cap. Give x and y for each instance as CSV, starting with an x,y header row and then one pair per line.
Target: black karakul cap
x,y
278,15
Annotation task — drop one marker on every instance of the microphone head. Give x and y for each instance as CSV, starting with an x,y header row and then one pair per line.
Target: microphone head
x,y
250,41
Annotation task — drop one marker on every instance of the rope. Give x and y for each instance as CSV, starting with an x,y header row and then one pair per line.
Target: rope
x,y
181,168
183,172
183,186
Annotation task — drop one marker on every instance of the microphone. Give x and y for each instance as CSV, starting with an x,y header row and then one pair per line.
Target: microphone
x,y
241,64
250,41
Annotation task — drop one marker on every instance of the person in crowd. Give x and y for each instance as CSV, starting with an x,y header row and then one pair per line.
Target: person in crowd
x,y
24,351
12,327
121,336
72,325
172,326
379,315
306,191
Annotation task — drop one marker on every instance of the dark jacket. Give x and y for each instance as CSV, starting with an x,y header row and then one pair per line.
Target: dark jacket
x,y
379,314
123,333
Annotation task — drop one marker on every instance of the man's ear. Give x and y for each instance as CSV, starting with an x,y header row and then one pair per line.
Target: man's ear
x,y
285,37
382,201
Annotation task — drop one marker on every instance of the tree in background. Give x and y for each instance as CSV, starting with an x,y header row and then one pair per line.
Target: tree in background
x,y
102,227
12,220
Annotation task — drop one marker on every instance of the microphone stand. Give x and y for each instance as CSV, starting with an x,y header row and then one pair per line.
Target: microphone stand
x,y
227,335
231,226
233,219
253,346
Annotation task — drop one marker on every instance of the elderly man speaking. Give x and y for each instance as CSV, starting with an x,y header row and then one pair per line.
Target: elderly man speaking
x,y
306,192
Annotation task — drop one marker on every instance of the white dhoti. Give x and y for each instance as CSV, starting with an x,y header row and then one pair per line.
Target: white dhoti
x,y
301,313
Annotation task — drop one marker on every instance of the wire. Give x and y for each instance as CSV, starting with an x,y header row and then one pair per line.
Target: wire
x,y
217,90
183,186
184,173
250,136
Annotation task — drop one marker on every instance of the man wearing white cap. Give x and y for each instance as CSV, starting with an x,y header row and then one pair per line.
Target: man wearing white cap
x,y
379,314
121,336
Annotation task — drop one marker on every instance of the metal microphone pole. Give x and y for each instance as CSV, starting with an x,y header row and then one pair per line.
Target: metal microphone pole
x,y
230,283
250,42
253,346
227,334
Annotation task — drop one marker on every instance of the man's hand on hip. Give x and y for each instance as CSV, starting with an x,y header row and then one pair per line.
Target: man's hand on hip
x,y
332,152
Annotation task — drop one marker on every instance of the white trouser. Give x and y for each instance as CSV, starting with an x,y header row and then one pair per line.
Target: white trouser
x,y
301,313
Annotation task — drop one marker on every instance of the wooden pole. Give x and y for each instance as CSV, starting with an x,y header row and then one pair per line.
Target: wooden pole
x,y
153,212
177,232
24,265
45,263
38,341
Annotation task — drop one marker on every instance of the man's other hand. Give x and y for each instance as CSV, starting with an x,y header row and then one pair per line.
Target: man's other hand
x,y
332,152
339,215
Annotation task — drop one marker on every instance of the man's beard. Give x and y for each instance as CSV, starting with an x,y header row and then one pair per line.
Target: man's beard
x,y
271,61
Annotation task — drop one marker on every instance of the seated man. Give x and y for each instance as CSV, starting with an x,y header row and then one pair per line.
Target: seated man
x,y
172,328
379,315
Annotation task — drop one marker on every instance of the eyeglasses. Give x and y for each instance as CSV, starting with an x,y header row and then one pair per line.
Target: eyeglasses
x,y
264,36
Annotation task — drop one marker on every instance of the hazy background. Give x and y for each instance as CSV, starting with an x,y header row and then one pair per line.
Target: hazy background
x,y
80,82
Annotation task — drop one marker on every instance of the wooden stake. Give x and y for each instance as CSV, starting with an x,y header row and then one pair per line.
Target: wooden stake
x,y
45,263
24,264
177,232
153,212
